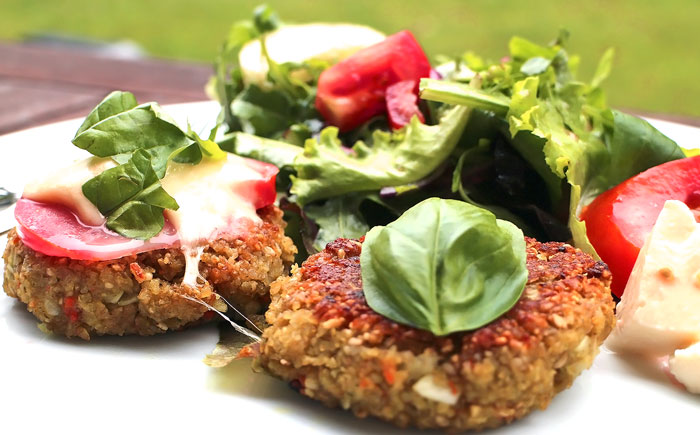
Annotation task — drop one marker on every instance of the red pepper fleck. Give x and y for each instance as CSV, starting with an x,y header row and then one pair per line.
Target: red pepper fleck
x,y
70,309
389,370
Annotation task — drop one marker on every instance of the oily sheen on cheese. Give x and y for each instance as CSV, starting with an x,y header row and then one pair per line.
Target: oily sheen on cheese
x,y
660,309
65,187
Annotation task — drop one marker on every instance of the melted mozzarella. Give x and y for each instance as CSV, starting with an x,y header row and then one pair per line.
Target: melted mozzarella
x,y
208,197
685,366
65,187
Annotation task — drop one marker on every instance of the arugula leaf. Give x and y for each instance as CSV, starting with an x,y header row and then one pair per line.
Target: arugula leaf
x,y
131,196
327,169
444,266
337,217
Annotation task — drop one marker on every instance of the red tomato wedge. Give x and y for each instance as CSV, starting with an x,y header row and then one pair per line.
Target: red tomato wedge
x,y
261,192
352,91
619,220
402,103
55,230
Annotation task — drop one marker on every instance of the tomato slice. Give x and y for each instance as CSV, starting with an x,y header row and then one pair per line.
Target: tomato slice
x,y
402,103
353,91
54,230
619,220
261,192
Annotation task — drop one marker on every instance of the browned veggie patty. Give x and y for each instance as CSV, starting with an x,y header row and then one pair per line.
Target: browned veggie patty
x,y
329,344
141,294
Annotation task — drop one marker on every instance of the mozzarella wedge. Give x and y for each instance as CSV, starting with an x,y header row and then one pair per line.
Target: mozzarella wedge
x,y
660,309
298,43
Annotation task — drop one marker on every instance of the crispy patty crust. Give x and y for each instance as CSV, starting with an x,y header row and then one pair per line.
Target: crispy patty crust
x,y
326,341
141,293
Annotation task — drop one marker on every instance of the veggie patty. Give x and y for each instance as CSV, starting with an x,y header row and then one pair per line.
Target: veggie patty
x,y
141,294
326,341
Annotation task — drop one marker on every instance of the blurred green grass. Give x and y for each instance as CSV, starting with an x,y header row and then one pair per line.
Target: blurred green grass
x,y
656,67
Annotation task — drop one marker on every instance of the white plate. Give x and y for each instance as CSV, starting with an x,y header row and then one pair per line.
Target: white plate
x,y
159,384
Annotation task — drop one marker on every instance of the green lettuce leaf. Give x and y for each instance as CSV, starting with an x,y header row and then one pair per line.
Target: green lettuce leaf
x,y
327,169
444,266
337,217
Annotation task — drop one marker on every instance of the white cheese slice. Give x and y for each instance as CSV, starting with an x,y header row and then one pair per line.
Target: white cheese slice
x,y
660,309
65,187
685,366
298,43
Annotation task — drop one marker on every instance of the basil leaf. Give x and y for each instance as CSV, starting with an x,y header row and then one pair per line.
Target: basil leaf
x,y
337,217
444,266
136,220
140,127
114,103
327,169
131,197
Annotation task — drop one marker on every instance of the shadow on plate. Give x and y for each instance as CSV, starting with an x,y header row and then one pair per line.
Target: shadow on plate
x,y
183,344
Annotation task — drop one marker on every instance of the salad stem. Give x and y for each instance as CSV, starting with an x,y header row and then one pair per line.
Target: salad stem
x,y
457,93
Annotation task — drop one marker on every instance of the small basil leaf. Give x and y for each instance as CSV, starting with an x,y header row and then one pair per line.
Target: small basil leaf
x,y
141,127
191,154
444,266
116,185
337,217
122,193
136,220
114,103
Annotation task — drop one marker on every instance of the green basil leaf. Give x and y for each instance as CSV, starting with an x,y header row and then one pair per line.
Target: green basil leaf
x,y
191,154
326,169
444,266
337,217
136,220
124,193
141,127
113,104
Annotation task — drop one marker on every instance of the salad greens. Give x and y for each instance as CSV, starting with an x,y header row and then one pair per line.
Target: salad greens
x,y
582,141
327,169
535,145
142,139
284,106
444,266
